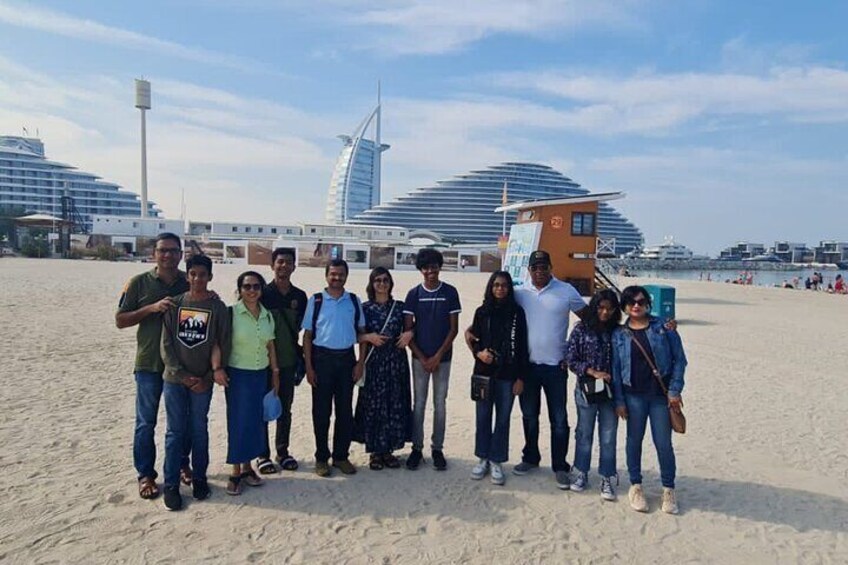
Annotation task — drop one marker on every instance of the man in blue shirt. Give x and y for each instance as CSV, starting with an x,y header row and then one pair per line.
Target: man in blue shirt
x,y
432,308
331,325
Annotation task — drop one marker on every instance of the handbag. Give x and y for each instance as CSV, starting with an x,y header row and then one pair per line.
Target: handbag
x,y
588,386
361,381
480,387
678,420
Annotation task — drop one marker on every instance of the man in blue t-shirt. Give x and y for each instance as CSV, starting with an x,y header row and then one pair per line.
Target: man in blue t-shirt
x,y
432,309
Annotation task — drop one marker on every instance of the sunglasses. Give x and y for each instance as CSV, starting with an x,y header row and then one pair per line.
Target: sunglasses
x,y
249,286
641,302
539,267
382,280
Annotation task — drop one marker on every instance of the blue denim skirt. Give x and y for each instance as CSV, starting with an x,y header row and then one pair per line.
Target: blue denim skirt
x,y
245,426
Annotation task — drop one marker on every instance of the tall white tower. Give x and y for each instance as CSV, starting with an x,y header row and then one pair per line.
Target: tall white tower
x,y
142,102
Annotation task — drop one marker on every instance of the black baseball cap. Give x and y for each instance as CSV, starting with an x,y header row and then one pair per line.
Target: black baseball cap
x,y
539,257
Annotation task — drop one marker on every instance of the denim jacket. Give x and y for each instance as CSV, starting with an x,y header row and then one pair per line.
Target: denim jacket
x,y
668,355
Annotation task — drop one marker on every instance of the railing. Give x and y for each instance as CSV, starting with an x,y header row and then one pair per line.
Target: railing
x,y
604,272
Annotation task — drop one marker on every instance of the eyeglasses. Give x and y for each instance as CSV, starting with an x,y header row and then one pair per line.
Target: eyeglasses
x,y
382,280
249,286
641,302
168,250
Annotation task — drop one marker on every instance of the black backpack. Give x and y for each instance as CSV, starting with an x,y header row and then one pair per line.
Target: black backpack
x,y
318,297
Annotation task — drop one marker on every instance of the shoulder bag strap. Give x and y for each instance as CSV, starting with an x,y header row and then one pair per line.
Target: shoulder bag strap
x,y
386,323
650,361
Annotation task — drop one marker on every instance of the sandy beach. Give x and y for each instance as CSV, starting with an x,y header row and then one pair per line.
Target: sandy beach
x,y
761,473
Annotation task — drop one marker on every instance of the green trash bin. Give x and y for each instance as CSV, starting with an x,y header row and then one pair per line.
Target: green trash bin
x,y
662,300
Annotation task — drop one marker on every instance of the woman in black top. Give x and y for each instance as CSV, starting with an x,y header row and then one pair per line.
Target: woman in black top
x,y
501,354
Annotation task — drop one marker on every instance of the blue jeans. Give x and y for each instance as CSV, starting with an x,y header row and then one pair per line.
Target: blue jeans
x,y
148,392
641,408
493,445
552,380
188,419
587,414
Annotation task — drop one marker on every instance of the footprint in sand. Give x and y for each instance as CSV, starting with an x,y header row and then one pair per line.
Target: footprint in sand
x,y
116,498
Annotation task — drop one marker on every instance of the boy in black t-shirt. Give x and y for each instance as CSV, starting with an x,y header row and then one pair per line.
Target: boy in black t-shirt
x,y
432,309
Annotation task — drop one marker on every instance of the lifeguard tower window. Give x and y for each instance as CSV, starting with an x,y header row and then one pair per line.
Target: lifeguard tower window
x,y
582,223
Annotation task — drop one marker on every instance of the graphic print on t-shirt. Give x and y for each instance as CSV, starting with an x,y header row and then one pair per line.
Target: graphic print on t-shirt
x,y
193,326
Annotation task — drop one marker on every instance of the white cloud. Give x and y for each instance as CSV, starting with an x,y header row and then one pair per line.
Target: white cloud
x,y
50,21
658,103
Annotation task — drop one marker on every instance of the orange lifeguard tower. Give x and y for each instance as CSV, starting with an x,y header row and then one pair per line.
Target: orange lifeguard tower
x,y
567,228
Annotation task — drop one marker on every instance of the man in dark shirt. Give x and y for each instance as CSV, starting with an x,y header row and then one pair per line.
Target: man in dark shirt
x,y
432,308
145,297
287,304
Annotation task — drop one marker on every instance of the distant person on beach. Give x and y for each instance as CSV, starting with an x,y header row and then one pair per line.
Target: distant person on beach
x,y
589,356
808,283
252,357
839,285
432,310
384,404
641,344
195,333
143,301
332,324
287,305
500,354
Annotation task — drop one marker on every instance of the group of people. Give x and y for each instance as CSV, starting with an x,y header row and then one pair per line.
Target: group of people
x,y
188,339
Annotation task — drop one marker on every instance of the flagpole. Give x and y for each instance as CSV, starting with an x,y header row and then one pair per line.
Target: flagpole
x,y
503,202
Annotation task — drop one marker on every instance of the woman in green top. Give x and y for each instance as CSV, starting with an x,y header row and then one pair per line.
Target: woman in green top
x,y
251,356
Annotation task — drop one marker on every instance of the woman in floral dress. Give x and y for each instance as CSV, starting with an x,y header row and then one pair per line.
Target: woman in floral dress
x,y
383,407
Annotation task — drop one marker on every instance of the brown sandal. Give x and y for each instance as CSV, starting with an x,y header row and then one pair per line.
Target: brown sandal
x,y
147,488
186,476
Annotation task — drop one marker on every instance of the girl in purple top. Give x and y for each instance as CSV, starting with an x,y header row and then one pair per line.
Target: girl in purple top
x,y
589,356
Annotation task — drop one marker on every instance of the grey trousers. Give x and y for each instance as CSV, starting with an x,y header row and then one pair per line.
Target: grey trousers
x,y
421,386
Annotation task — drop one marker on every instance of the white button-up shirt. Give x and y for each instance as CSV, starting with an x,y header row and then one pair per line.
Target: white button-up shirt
x,y
547,310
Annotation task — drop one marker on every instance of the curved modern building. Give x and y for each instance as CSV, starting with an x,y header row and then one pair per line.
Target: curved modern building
x,y
355,185
460,209
36,184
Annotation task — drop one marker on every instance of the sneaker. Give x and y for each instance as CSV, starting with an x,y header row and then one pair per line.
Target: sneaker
x,y
345,466
498,474
200,489
669,501
479,470
439,461
580,481
173,499
563,480
523,468
322,469
414,460
637,499
607,490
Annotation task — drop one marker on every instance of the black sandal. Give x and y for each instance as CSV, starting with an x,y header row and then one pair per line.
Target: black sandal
x,y
266,467
390,461
376,462
147,488
234,485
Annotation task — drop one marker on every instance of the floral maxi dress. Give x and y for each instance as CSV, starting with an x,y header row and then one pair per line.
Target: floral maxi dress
x,y
384,405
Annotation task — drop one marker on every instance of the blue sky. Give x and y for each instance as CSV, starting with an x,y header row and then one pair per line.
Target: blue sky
x,y
721,121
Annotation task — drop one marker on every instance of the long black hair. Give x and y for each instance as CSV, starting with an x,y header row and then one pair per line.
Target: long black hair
x,y
489,299
369,290
593,321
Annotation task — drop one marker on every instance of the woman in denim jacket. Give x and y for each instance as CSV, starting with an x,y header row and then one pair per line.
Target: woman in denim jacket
x,y
638,396
589,356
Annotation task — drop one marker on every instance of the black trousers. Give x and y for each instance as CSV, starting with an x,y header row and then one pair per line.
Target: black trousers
x,y
334,369
281,438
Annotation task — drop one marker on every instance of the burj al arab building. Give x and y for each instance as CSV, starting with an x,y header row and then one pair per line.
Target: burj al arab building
x,y
355,185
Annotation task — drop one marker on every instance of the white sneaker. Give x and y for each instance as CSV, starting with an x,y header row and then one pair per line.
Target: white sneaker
x,y
637,499
607,490
479,470
498,477
579,481
669,501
